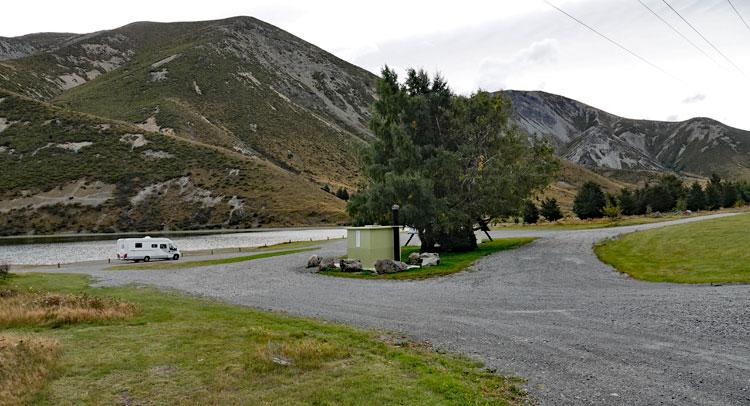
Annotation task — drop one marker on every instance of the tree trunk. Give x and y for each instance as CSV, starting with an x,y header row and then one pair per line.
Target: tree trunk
x,y
456,240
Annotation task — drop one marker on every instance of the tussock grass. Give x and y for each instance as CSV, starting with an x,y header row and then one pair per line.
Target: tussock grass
x,y
25,363
29,308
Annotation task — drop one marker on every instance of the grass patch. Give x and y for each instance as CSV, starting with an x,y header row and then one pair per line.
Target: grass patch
x,y
711,251
25,363
207,262
185,350
32,308
450,262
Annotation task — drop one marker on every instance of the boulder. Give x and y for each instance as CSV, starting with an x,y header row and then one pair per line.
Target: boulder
x,y
429,259
383,266
313,261
414,259
350,265
327,263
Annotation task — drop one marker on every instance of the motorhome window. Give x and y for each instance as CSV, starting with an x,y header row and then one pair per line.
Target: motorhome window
x,y
163,246
138,245
154,245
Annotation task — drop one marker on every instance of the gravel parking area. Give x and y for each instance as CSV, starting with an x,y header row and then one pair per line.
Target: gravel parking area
x,y
549,311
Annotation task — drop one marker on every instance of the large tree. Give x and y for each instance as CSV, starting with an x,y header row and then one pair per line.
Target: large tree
x,y
451,162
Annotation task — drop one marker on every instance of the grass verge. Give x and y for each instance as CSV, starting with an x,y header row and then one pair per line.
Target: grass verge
x,y
25,363
711,251
206,262
29,307
450,262
184,350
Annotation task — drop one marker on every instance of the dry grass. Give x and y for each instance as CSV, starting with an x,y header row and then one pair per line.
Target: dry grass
x,y
29,308
25,363
305,354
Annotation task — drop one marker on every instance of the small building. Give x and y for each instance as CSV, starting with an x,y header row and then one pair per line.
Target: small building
x,y
369,244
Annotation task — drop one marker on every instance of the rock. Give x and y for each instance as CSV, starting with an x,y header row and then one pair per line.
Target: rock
x,y
383,266
414,259
350,265
327,263
313,261
429,259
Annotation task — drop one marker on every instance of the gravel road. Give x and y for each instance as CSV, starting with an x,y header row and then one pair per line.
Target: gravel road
x,y
549,311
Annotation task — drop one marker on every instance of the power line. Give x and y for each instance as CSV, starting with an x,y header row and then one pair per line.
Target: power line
x,y
704,38
738,14
679,33
617,44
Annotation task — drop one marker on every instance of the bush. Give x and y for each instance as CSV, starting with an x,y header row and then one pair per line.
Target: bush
x,y
551,210
589,201
696,198
4,270
611,210
530,213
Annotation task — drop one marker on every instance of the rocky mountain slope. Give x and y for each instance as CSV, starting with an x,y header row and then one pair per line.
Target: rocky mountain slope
x,y
238,83
272,118
67,171
592,137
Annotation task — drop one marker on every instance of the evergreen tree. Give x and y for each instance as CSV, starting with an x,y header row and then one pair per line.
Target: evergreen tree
x,y
714,193
589,201
451,162
551,210
730,194
696,198
530,213
628,205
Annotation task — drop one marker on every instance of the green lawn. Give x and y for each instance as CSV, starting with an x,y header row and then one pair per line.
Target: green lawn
x,y
450,262
184,350
711,251
206,262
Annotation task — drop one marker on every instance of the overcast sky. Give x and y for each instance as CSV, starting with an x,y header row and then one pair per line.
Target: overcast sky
x,y
511,44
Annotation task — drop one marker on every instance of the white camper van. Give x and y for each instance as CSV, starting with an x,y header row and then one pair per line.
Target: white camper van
x,y
145,249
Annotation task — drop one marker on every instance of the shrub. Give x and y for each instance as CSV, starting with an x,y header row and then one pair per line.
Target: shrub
x,y
611,210
530,213
589,201
4,270
696,198
551,210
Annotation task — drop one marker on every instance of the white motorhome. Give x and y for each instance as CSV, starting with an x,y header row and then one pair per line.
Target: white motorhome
x,y
145,249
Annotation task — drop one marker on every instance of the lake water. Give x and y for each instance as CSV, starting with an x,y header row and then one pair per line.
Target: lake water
x,y
53,253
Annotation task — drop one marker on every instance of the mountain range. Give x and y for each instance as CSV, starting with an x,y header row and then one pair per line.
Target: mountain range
x,y
246,125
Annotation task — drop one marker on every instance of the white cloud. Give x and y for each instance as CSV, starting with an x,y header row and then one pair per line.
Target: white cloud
x,y
494,72
694,98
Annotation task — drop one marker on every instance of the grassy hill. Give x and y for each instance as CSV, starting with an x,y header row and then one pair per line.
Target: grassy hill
x,y
67,171
237,83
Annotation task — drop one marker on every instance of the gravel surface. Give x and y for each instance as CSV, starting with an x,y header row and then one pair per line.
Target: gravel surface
x,y
549,311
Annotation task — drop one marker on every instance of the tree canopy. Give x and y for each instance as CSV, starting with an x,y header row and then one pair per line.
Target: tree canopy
x,y
589,201
450,161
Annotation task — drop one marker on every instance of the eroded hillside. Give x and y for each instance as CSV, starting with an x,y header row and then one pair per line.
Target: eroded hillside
x,y
65,171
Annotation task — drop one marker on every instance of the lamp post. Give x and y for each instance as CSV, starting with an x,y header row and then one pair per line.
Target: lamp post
x,y
396,239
